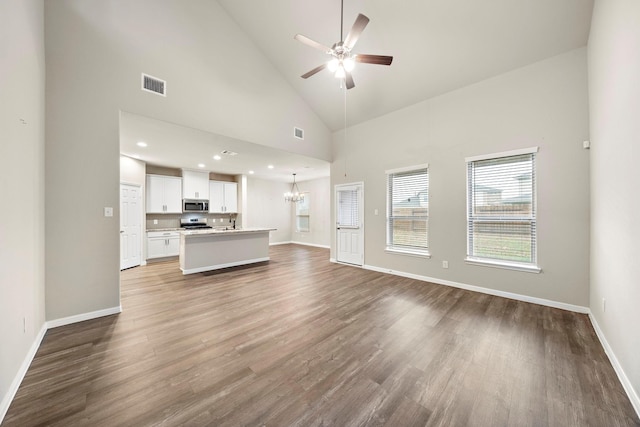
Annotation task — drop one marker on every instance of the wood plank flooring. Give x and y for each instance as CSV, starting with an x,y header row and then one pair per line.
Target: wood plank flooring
x,y
299,341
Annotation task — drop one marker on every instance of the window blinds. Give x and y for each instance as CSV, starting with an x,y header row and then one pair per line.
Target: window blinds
x,y
408,209
501,208
348,208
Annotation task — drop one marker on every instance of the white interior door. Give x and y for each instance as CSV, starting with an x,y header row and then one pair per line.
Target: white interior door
x,y
130,228
349,224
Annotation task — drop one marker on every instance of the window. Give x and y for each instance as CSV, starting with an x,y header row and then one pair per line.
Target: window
x,y
408,210
501,209
302,213
348,208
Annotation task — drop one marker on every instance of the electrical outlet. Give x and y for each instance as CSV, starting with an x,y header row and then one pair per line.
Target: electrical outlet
x,y
155,222
604,305
108,211
445,264
375,211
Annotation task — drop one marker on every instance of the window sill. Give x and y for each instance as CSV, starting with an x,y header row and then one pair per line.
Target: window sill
x,y
503,264
416,253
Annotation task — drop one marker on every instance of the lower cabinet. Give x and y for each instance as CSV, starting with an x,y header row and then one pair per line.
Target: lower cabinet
x,y
163,244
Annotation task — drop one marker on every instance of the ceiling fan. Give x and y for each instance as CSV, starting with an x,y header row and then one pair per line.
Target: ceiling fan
x,y
342,58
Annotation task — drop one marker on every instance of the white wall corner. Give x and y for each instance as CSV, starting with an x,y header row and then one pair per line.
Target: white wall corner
x,y
622,376
17,380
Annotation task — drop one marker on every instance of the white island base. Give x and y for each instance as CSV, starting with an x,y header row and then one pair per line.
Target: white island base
x,y
206,250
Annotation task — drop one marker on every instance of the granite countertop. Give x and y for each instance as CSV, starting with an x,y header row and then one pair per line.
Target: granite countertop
x,y
208,231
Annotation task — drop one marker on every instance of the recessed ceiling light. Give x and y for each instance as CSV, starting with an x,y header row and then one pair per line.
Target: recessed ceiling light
x,y
200,165
270,166
250,172
217,157
141,144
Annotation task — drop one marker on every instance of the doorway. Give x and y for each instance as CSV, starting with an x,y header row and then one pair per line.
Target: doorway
x,y
350,223
130,226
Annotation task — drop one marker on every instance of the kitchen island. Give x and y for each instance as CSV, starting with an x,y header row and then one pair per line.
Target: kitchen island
x,y
213,249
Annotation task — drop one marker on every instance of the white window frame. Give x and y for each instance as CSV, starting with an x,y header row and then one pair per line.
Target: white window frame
x,y
301,213
490,262
398,249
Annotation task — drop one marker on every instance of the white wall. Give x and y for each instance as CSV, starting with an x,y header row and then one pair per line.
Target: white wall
x,y
614,100
545,105
22,78
217,81
132,171
319,216
265,207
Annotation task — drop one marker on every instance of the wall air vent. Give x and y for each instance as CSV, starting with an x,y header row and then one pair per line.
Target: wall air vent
x,y
154,85
228,153
298,133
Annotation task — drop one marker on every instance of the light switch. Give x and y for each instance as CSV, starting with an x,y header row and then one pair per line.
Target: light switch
x,y
108,211
375,211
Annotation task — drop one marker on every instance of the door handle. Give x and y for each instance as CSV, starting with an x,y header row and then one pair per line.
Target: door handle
x,y
121,231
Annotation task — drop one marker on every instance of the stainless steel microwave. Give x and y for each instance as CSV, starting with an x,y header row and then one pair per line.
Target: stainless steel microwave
x,y
194,205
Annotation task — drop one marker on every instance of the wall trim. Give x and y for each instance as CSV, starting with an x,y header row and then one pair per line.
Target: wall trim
x,y
221,266
315,245
280,243
489,291
17,380
82,317
624,380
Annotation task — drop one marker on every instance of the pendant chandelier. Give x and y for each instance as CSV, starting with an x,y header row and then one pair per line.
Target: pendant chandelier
x,y
294,194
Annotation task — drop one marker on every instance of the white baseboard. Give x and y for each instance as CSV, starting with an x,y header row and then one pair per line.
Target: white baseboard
x,y
310,244
17,380
518,297
82,317
280,243
221,266
624,380
332,260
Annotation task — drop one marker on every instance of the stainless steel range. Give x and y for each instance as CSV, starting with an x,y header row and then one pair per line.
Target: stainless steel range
x,y
193,223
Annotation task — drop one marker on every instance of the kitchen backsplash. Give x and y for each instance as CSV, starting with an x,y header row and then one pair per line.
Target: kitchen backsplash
x,y
173,221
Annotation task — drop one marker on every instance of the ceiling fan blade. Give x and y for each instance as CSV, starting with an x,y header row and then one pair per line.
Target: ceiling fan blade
x,y
358,26
374,59
314,71
312,43
348,80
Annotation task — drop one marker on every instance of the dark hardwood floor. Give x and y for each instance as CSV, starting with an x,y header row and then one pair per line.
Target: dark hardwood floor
x,y
301,341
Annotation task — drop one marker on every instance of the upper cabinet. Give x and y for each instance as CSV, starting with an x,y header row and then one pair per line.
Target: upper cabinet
x,y
223,197
164,194
195,185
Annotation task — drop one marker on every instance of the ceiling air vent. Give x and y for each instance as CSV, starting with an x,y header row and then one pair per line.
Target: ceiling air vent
x,y
154,85
228,153
298,133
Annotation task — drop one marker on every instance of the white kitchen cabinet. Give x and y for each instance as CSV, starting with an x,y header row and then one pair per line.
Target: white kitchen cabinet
x,y
223,197
164,194
195,185
163,244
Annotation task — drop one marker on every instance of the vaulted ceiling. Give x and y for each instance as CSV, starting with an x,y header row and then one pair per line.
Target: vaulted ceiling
x,y
437,45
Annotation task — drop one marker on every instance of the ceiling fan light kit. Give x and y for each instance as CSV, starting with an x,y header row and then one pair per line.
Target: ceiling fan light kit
x,y
342,61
